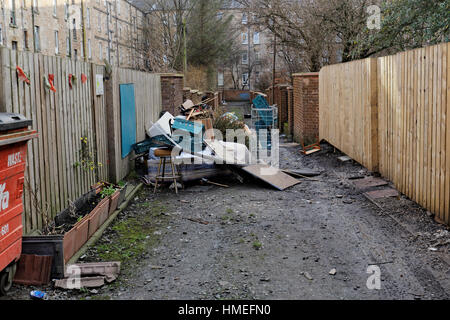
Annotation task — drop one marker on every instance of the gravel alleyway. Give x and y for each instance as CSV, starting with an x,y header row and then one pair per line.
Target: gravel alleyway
x,y
265,244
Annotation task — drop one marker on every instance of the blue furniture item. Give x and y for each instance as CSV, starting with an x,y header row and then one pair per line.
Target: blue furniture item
x,y
260,102
194,128
127,118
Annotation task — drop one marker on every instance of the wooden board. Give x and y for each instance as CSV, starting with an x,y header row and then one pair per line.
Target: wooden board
x,y
275,177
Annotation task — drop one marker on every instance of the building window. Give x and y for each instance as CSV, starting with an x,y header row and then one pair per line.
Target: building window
x,y
256,38
1,34
244,79
99,22
220,79
220,15
88,18
108,10
25,39
89,49
66,11
244,18
56,42
74,30
12,20
75,54
118,7
245,58
100,51
37,39
35,6
244,37
14,45
55,5
257,56
68,48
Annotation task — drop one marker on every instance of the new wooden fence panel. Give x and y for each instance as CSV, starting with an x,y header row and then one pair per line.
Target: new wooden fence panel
x,y
407,135
348,109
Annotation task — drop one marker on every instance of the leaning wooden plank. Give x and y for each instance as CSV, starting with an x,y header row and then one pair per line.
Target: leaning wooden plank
x,y
444,154
446,86
272,176
438,63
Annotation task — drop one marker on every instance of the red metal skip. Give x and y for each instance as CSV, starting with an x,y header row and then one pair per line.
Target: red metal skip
x,y
12,170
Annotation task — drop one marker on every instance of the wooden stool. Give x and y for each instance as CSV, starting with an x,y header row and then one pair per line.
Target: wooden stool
x,y
165,156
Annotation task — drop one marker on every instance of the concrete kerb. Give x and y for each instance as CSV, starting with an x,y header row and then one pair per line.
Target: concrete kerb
x,y
97,235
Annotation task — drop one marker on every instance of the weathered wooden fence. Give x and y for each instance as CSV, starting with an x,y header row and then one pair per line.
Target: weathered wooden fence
x,y
62,118
147,88
409,120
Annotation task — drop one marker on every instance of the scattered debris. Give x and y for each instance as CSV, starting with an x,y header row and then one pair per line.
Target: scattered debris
x,y
198,221
383,193
298,175
38,295
204,180
86,282
92,275
344,158
369,182
156,267
333,272
307,275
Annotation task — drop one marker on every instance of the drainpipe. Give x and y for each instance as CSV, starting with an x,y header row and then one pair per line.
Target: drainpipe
x,y
108,12
117,37
83,30
32,28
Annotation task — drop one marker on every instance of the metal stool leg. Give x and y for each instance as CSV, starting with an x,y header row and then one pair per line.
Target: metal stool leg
x,y
157,175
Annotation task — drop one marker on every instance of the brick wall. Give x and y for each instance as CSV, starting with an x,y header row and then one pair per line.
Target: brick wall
x,y
306,107
172,92
236,95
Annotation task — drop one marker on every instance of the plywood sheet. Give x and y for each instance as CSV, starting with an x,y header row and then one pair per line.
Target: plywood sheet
x,y
273,176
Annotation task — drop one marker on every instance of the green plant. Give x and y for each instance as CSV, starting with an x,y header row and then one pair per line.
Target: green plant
x,y
87,160
257,245
108,191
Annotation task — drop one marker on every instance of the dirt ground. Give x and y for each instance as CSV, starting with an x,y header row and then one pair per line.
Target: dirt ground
x,y
260,243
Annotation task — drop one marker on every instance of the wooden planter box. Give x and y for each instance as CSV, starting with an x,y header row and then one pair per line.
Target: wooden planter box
x,y
63,247
114,202
103,208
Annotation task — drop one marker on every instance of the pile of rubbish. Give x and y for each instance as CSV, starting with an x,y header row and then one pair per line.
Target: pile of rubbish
x,y
198,154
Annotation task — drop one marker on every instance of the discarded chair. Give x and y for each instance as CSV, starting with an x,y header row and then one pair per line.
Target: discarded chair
x,y
165,156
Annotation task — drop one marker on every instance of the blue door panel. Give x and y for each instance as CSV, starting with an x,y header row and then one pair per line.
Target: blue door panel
x,y
128,118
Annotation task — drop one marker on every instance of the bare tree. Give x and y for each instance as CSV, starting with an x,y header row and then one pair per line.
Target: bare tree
x,y
162,43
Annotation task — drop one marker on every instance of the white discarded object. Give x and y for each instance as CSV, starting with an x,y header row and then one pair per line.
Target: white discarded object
x,y
230,152
164,124
188,104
